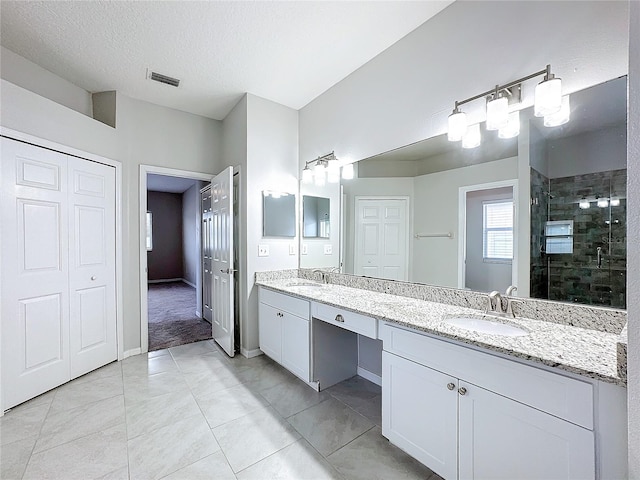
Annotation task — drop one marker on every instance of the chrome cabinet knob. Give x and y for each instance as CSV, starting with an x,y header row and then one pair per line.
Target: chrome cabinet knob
x,y
339,318
451,386
462,391
93,277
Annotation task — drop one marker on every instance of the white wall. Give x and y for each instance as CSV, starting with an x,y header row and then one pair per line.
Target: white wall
x,y
272,164
590,152
405,94
633,244
20,71
145,134
435,260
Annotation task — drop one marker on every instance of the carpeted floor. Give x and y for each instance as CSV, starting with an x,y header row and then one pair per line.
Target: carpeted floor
x,y
172,316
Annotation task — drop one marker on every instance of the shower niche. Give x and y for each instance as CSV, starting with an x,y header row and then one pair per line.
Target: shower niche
x,y
578,201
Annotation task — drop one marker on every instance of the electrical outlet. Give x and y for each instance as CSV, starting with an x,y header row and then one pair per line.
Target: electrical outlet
x,y
305,249
292,249
263,250
328,249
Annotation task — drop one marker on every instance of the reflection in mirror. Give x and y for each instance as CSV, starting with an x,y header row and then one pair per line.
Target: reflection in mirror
x,y
279,214
315,217
412,213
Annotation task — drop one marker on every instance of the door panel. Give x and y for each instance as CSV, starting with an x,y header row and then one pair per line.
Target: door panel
x,y
35,281
92,259
207,272
222,260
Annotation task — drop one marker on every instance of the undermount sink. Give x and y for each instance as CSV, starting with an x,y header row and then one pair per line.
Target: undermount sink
x,y
486,326
305,285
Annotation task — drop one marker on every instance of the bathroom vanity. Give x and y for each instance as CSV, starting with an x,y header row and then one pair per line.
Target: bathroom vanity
x,y
547,404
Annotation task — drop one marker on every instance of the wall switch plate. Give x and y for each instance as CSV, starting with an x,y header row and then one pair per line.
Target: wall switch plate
x,y
305,249
328,249
292,249
263,250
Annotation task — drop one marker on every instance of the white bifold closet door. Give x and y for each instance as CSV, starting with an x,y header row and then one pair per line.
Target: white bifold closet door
x,y
58,269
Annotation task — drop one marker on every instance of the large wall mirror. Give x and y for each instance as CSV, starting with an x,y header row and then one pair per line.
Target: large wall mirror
x,y
278,214
545,211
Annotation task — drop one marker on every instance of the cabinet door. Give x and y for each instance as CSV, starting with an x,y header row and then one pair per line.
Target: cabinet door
x,y
503,439
270,331
420,413
295,345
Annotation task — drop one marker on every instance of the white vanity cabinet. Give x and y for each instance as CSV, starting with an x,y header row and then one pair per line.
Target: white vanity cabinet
x,y
467,414
283,325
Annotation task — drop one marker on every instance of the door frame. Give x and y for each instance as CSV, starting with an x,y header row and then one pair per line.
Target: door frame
x,y
142,227
64,149
462,225
408,217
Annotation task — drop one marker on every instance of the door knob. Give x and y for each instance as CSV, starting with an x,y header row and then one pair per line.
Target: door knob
x,y
462,391
451,386
93,277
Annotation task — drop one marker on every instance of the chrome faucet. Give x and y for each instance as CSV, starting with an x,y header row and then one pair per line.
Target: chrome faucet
x,y
509,311
323,275
494,302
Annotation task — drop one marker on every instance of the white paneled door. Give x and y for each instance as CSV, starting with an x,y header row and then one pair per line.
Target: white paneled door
x,y
381,238
222,260
58,269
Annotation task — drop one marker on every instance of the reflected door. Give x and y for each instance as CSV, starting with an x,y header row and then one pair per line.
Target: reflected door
x,y
381,237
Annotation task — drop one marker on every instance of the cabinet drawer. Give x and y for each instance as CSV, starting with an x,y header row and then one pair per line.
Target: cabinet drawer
x,y
295,306
553,393
355,322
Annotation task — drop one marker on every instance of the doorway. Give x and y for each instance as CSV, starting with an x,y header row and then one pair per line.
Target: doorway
x,y
488,233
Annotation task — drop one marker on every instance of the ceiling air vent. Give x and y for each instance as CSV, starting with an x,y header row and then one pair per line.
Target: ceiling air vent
x,y
158,77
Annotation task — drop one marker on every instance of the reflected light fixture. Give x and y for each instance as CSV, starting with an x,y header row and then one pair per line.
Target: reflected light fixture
x,y
472,138
602,202
561,117
584,203
502,99
326,168
512,128
614,202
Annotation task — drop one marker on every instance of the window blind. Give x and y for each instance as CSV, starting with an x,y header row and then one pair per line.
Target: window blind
x,y
498,230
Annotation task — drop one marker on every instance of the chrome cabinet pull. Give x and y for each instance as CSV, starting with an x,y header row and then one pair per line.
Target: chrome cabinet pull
x,y
451,386
93,277
462,391
339,318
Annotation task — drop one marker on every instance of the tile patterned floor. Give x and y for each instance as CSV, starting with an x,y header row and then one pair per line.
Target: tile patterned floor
x,y
190,412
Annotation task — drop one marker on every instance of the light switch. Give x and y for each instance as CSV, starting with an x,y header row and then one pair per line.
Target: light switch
x,y
292,249
263,250
305,249
328,249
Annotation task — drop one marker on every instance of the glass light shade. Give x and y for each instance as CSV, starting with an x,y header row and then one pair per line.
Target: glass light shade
x,y
457,126
307,175
584,204
497,113
472,138
548,97
319,175
512,129
333,171
347,171
561,117
603,202
614,202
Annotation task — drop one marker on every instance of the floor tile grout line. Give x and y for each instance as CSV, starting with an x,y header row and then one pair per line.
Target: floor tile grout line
x,y
349,442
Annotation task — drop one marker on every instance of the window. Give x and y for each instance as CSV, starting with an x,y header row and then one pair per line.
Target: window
x,y
149,232
498,230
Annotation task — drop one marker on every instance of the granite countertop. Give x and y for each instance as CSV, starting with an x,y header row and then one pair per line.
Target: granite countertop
x,y
582,351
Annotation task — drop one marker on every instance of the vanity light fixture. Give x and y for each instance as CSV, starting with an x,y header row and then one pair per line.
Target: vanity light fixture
x,y
584,203
502,100
602,202
561,117
326,168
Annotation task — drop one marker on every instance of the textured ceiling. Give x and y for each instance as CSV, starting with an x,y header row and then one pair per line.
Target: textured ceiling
x,y
288,52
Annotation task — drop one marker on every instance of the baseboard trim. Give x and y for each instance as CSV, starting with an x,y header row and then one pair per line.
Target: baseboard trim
x,y
251,353
132,352
188,282
166,280
372,377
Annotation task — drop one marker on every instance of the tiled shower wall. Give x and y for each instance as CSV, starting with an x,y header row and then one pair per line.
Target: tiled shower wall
x,y
576,277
